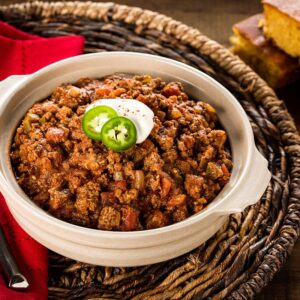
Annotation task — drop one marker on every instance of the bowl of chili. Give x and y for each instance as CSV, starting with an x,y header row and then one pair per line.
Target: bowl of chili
x,y
249,178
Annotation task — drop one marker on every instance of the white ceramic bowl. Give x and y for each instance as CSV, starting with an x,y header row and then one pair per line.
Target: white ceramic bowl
x,y
249,179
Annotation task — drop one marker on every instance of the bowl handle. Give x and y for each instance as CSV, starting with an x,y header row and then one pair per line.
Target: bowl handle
x,y
252,188
8,83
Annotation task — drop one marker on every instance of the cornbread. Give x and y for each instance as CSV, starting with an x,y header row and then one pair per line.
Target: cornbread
x,y
282,24
276,67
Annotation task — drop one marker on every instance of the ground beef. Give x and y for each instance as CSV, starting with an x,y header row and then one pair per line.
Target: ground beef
x,y
173,174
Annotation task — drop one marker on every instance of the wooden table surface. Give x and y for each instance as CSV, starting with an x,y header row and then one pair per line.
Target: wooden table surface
x,y
215,18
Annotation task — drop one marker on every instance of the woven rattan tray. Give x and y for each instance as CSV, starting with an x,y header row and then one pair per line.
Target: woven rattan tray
x,y
252,246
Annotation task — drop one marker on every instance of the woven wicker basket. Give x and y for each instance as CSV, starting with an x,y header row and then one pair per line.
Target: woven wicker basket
x,y
253,245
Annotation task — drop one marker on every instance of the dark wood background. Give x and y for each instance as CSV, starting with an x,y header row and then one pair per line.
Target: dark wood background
x,y
215,19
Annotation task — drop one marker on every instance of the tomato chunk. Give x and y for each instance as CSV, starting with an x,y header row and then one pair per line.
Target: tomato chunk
x,y
121,184
130,218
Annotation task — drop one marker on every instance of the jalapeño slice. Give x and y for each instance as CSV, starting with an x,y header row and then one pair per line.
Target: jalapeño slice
x,y
94,119
119,134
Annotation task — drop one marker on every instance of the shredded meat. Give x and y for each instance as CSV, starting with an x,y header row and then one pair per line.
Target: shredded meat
x,y
173,174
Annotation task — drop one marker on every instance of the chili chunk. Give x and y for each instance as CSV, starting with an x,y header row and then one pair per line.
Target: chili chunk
x,y
176,172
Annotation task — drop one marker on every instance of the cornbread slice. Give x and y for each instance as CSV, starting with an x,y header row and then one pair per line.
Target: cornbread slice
x,y
282,24
276,67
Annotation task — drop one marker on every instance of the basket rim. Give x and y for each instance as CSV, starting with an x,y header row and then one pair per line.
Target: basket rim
x,y
236,68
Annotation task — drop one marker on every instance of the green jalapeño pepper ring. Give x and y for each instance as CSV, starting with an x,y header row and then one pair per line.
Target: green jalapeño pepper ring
x,y
119,134
94,119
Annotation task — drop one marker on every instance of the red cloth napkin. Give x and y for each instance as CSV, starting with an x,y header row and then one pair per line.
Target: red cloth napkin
x,y
31,257
22,53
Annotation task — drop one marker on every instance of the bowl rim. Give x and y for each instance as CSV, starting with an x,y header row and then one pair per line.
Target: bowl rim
x,y
51,220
